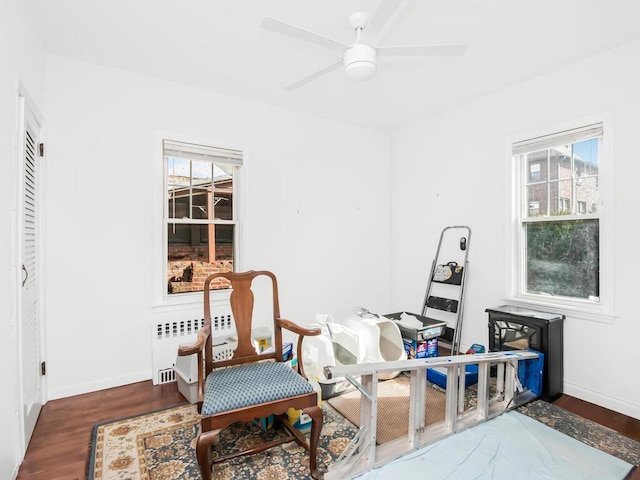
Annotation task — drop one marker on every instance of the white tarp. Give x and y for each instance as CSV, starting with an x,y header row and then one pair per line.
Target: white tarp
x,y
510,446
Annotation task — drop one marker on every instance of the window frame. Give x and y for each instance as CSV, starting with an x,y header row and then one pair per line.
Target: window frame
x,y
161,299
602,310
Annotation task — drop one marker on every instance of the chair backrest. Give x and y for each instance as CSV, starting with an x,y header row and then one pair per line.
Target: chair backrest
x,y
242,306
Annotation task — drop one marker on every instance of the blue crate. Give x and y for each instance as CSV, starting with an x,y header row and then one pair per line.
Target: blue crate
x,y
530,372
439,375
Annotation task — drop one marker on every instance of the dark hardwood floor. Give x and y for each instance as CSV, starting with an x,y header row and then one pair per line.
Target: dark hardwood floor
x,y
61,442
627,426
60,446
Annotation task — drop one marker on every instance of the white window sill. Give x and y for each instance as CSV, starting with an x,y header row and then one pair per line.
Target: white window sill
x,y
595,313
190,301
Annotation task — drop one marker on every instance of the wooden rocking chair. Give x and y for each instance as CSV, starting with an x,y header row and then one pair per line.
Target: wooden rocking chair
x,y
250,385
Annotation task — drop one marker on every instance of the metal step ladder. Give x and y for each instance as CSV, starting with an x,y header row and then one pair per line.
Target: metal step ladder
x,y
363,454
444,298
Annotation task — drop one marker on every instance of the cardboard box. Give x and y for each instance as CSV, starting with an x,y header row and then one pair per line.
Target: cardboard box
x,y
261,337
300,420
287,351
420,348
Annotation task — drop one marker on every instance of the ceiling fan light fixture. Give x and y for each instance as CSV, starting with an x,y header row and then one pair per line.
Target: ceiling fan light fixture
x,y
360,61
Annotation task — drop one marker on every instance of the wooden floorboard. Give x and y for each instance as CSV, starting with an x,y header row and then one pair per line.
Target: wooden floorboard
x,y
627,426
61,442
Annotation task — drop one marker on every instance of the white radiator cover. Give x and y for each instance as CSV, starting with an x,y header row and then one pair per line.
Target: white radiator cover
x,y
167,336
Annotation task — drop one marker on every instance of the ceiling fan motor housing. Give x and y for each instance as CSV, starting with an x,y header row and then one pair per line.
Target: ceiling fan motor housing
x,y
360,61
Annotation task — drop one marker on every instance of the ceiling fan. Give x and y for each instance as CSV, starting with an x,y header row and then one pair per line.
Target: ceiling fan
x,y
360,59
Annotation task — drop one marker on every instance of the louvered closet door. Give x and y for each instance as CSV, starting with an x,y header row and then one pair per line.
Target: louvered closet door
x,y
30,327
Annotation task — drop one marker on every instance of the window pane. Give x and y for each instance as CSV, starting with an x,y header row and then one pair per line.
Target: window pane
x,y
537,200
191,257
199,199
561,197
563,258
201,172
178,181
588,194
535,172
223,192
201,177
560,162
537,166
586,161
587,152
178,171
178,202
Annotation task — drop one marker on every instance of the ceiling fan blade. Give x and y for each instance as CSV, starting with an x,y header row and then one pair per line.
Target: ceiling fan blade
x,y
422,51
318,73
301,34
382,20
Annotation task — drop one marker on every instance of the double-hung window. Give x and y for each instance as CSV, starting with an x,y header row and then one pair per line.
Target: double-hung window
x,y
558,228
200,214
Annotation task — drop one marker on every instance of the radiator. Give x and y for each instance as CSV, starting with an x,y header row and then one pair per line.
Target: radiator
x,y
168,336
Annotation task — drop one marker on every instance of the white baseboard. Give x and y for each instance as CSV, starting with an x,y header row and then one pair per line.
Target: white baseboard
x,y
100,384
606,401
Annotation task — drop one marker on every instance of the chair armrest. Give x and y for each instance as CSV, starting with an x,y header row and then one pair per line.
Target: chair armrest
x,y
295,328
302,332
186,350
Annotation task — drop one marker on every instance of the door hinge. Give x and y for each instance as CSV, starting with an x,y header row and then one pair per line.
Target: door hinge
x,y
41,149
43,368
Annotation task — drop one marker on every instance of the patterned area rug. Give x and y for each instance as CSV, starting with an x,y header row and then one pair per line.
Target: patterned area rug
x,y
161,446
586,431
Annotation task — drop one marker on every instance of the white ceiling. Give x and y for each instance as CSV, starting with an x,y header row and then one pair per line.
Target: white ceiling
x,y
219,45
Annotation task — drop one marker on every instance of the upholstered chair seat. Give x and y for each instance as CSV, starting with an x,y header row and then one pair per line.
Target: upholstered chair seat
x,y
232,388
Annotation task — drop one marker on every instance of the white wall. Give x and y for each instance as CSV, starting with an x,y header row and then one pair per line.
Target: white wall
x,y
22,59
451,170
318,213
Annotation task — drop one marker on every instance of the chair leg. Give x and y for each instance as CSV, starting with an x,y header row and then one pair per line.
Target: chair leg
x,y
316,427
203,452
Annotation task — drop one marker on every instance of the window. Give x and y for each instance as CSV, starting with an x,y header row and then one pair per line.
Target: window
x,y
200,214
582,207
534,172
564,204
558,220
